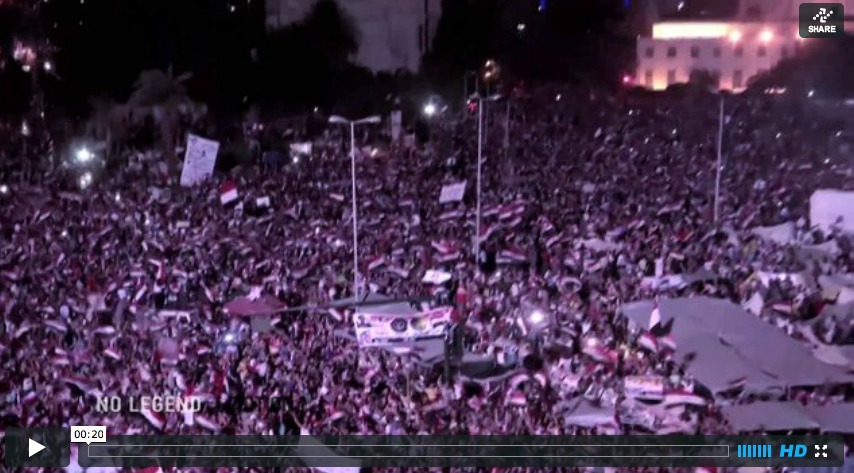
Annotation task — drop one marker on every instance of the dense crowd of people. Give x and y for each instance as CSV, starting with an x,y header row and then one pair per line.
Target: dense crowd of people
x,y
119,288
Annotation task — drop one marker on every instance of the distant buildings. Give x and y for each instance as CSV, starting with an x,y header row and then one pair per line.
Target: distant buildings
x,y
753,40
393,34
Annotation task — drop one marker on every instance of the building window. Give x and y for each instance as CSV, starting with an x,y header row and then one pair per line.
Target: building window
x,y
647,77
739,51
784,52
761,52
671,51
650,51
695,51
716,52
737,79
671,77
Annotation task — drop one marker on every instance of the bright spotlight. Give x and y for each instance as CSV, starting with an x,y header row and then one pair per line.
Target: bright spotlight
x,y
735,36
228,338
4,189
84,155
430,109
766,36
537,317
48,66
85,180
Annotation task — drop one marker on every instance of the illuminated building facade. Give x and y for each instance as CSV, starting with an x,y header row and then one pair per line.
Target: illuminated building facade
x,y
393,34
732,51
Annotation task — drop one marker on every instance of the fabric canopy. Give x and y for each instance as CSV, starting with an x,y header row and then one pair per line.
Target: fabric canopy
x,y
769,417
729,348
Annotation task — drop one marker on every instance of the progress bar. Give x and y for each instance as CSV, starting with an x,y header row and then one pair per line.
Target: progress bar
x,y
649,451
459,451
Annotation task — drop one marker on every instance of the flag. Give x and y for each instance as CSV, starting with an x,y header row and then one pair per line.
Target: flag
x,y
80,383
488,231
376,263
436,277
447,258
512,256
648,341
336,314
655,318
206,423
156,419
512,210
57,324
517,398
667,342
554,240
228,192
600,353
337,197
451,214
682,397
400,271
443,247
112,354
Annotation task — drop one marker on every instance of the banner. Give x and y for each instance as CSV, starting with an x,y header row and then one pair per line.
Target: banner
x,y
452,193
388,329
396,125
644,387
199,161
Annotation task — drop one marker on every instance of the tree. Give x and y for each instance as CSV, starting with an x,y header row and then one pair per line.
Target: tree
x,y
160,96
825,67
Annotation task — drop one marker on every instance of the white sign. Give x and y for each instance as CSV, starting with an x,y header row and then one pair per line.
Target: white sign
x,y
298,149
452,193
396,125
436,277
388,329
199,161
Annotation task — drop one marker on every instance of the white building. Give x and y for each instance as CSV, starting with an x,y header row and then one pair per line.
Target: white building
x,y
764,32
393,34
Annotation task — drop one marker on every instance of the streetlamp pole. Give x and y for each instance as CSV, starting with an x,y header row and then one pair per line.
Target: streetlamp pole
x,y
719,162
352,123
479,173
355,212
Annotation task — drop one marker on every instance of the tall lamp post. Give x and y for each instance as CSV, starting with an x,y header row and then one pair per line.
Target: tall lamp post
x,y
337,120
480,103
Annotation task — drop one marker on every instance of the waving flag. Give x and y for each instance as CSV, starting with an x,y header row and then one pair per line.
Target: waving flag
x,y
228,192
512,256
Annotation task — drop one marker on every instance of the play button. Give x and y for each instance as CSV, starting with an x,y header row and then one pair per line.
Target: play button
x,y
43,447
35,447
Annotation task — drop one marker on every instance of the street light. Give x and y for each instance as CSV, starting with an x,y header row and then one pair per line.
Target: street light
x,y
338,120
84,155
480,102
430,109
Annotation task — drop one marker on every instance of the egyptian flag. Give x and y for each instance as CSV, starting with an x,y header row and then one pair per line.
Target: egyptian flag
x,y
207,423
156,419
512,256
648,341
228,192
375,263
683,397
81,384
517,398
656,328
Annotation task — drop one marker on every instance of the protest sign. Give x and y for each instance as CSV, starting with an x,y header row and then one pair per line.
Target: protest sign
x,y
452,193
388,329
199,161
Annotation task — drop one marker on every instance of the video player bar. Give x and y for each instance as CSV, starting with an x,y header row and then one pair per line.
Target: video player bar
x,y
417,451
446,451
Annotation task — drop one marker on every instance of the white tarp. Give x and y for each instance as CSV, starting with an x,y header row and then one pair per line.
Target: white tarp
x,y
769,417
782,234
452,193
829,206
199,161
378,329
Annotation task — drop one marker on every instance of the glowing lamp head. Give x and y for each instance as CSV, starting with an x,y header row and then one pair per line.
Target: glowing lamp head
x,y
537,317
85,180
766,36
430,109
4,189
84,155
735,36
228,338
627,79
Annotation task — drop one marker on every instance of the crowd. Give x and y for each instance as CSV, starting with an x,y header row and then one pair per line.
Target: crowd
x,y
119,288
